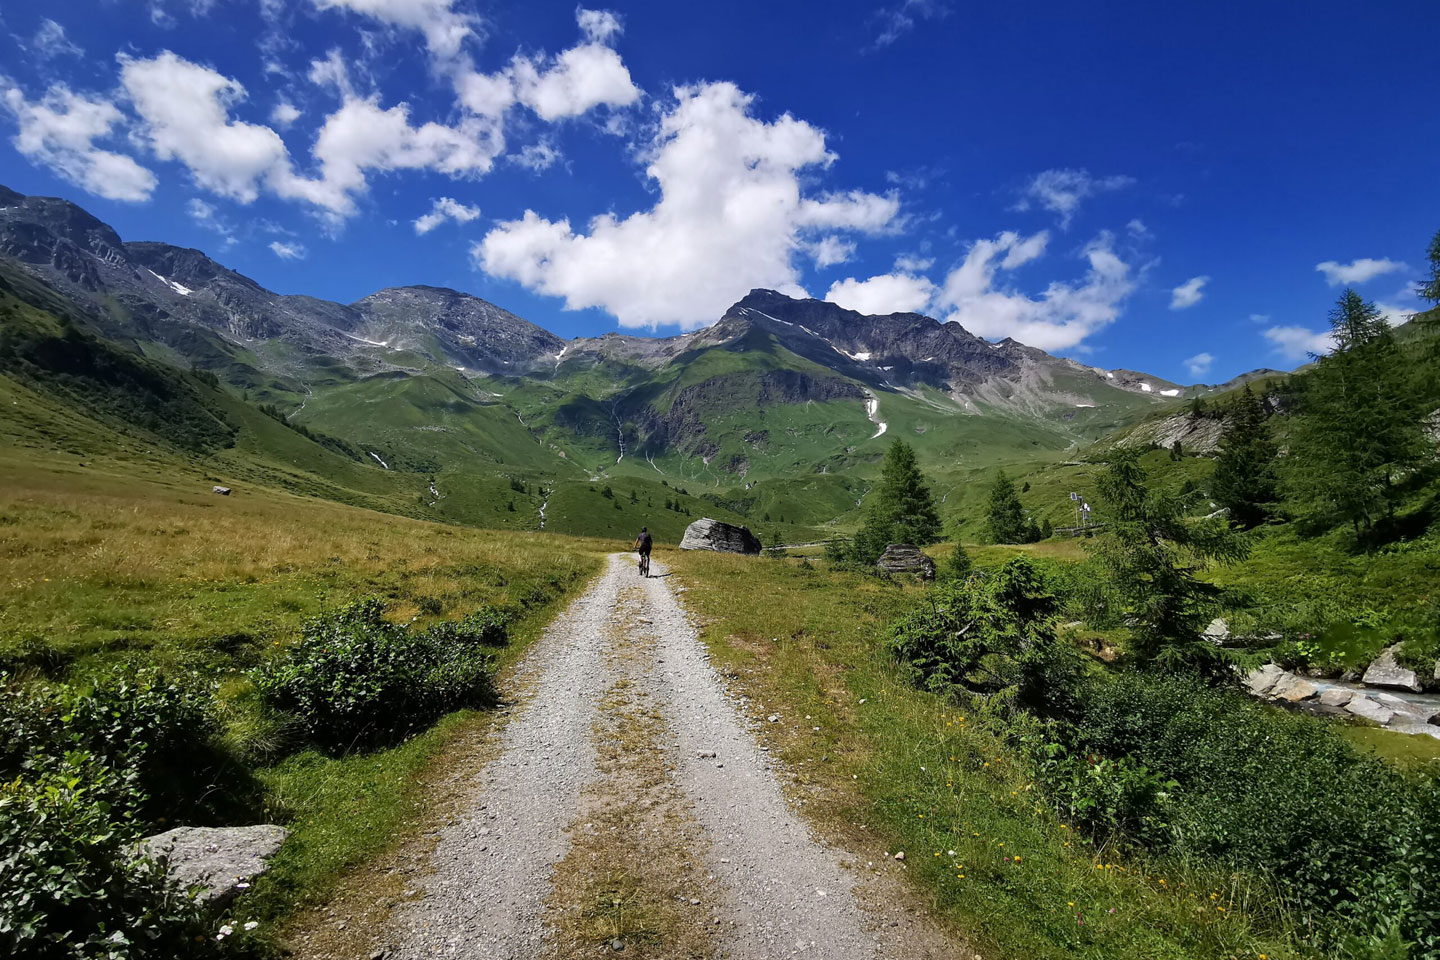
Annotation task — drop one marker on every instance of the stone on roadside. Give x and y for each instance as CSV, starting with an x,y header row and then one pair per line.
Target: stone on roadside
x,y
1370,710
708,534
217,859
906,558
1386,671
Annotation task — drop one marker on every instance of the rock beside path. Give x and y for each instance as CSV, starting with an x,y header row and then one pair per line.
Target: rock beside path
x,y
708,534
902,558
220,860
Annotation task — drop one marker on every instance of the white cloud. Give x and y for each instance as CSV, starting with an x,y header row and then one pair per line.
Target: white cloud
x,y
50,41
578,80
284,114
1189,293
288,251
1200,364
1061,191
828,251
444,28
887,293
894,22
1024,250
1138,230
1356,271
186,109
731,216
59,132
444,209
599,26
909,263
1394,314
537,156
1063,316
1297,343
1259,318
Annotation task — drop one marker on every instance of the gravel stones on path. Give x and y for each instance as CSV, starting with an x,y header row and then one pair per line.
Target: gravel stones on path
x,y
700,810
492,867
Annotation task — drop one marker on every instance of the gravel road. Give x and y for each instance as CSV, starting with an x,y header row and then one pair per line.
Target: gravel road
x,y
779,891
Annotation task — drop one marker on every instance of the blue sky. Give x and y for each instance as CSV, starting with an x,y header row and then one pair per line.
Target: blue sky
x,y
1179,191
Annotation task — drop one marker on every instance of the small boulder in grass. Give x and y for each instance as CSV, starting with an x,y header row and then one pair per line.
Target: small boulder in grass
x,y
223,491
222,861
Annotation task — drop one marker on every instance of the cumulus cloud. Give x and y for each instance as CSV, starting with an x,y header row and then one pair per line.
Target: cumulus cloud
x,y
1061,191
1188,294
59,132
887,293
286,250
446,208
1138,230
186,109
1200,364
599,26
828,251
50,42
537,156
1024,250
1297,343
577,81
1062,316
444,28
731,215
1356,271
284,114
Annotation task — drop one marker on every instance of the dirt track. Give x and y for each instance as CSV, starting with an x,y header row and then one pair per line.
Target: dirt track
x,y
629,797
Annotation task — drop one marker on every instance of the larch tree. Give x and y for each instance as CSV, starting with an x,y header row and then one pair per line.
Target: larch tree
x,y
1244,481
901,509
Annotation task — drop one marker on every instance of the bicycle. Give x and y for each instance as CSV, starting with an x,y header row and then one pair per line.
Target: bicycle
x,y
644,564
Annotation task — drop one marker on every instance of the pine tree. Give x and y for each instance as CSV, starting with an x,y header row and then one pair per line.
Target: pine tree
x,y
1152,555
1359,424
901,509
1006,517
957,565
1244,481
1429,288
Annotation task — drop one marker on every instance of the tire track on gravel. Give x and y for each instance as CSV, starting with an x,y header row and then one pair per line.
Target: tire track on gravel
x,y
492,867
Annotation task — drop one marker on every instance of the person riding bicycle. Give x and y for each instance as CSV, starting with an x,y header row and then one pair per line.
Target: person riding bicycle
x,y
642,546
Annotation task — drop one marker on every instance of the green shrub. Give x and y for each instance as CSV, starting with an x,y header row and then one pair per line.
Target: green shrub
x,y
159,733
987,634
1352,842
354,679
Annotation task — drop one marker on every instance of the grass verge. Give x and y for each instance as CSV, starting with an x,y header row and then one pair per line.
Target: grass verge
x,y
892,769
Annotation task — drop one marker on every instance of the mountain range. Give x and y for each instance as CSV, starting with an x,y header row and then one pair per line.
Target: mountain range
x,y
430,380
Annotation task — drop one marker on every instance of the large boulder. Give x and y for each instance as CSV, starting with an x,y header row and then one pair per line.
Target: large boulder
x,y
901,558
1370,710
1386,671
220,860
1262,681
707,534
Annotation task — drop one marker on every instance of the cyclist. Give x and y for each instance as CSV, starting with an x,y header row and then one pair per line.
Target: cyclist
x,y
642,546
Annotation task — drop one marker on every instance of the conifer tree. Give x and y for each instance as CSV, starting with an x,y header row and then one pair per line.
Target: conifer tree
x,y
1244,481
901,509
1359,425
1006,517
1429,288
1153,554
957,565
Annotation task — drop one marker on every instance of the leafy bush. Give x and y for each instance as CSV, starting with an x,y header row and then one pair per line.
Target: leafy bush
x,y
1352,842
987,634
355,679
153,731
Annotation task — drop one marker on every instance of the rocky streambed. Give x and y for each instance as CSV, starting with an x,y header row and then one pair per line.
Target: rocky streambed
x,y
1401,710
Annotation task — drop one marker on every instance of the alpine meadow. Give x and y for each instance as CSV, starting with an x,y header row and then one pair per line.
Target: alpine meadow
x,y
897,481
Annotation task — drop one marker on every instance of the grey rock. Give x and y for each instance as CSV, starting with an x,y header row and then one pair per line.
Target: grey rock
x,y
1293,689
217,859
708,534
1336,696
1218,632
223,491
906,558
1386,671
1262,681
1370,710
